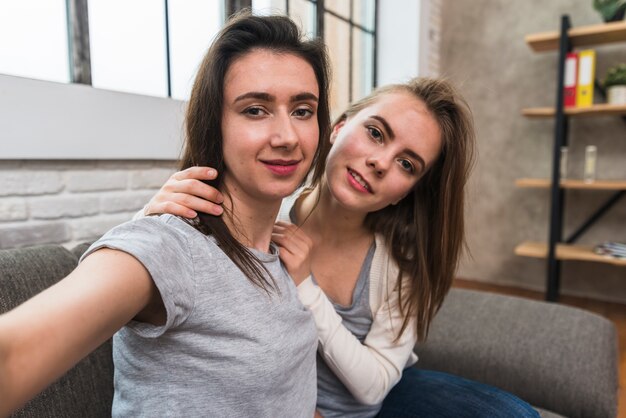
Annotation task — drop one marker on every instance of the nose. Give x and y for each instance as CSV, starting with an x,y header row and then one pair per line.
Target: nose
x,y
284,134
379,163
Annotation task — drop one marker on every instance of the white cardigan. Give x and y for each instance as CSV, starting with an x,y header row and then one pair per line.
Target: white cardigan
x,y
371,369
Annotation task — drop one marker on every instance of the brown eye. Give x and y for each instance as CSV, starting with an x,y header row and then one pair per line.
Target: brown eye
x,y
254,111
375,134
407,165
303,113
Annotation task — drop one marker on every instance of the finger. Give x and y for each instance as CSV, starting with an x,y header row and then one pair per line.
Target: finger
x,y
285,228
197,204
172,208
291,243
296,232
193,187
283,224
196,188
199,173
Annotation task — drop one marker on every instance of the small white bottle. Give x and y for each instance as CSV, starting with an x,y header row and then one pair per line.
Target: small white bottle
x,y
591,154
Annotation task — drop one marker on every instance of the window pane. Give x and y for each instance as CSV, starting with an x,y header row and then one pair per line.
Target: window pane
x,y
193,24
363,13
267,7
341,7
337,38
127,40
303,12
34,39
362,63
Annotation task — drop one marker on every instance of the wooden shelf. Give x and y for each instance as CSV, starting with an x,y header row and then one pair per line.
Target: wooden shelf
x,y
603,33
573,184
566,252
595,110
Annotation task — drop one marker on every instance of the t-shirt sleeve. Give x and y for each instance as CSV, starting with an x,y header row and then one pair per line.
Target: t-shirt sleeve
x,y
164,251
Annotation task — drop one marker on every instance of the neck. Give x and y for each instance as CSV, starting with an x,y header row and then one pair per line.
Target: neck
x,y
328,221
250,220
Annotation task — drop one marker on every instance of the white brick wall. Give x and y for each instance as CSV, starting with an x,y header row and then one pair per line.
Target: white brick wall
x,y
68,202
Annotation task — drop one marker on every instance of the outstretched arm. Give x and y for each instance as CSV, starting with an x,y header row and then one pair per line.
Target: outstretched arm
x,y
44,337
184,194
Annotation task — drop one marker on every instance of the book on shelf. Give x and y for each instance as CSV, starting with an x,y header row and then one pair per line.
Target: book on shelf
x,y
611,249
570,80
586,76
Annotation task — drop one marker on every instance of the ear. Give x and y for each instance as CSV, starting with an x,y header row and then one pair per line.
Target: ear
x,y
336,128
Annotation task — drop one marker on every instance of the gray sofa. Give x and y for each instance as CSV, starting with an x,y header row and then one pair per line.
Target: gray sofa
x,y
560,359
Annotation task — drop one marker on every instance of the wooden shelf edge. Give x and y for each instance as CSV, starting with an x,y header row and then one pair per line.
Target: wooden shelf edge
x,y
602,33
595,110
573,184
565,252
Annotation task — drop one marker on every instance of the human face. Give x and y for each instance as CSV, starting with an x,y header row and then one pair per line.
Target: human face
x,y
380,153
269,124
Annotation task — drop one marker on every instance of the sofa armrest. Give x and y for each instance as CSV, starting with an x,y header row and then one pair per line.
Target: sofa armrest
x,y
553,356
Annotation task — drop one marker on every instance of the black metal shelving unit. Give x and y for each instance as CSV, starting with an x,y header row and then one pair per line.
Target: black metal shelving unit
x,y
557,192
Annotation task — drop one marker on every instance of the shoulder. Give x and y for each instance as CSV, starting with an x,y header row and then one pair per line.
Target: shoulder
x,y
149,235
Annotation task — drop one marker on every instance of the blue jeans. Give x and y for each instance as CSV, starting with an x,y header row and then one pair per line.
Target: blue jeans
x,y
425,393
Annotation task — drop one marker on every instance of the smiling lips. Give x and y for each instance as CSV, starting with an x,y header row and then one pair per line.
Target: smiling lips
x,y
358,182
282,167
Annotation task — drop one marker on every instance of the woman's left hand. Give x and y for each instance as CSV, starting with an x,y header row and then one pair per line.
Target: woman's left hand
x,y
295,250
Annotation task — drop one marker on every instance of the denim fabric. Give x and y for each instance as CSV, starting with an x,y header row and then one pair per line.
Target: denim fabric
x,y
425,393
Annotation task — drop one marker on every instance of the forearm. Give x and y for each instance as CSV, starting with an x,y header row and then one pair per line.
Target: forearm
x,y
368,370
43,338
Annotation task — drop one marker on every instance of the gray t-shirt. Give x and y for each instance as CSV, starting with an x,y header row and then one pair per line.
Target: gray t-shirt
x,y
228,349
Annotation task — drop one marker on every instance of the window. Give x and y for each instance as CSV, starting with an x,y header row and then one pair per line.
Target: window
x,y
34,39
192,26
127,45
349,30
154,47
162,58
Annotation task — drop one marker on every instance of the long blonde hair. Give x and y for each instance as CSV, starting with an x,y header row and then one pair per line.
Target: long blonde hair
x,y
425,231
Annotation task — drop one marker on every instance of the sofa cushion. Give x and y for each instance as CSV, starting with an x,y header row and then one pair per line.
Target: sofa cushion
x,y
555,357
87,389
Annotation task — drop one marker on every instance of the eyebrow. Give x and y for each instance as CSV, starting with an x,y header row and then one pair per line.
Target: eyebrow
x,y
392,135
385,124
266,97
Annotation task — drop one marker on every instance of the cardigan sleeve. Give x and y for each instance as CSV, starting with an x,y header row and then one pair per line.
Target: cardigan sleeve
x,y
368,370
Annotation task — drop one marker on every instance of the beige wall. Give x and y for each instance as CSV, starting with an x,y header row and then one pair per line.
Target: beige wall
x,y
484,53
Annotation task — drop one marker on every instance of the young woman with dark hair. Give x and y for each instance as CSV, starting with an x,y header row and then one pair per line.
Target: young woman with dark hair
x,y
203,315
373,249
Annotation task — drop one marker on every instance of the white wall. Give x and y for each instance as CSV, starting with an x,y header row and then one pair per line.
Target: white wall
x,y
75,161
48,120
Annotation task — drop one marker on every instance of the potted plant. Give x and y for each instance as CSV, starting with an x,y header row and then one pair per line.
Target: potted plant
x,y
611,10
615,84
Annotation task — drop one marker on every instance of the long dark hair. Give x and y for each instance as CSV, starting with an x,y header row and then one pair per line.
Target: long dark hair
x,y
204,142
425,231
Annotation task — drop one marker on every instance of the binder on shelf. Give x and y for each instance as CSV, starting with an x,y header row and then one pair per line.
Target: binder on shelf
x,y
570,80
586,76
